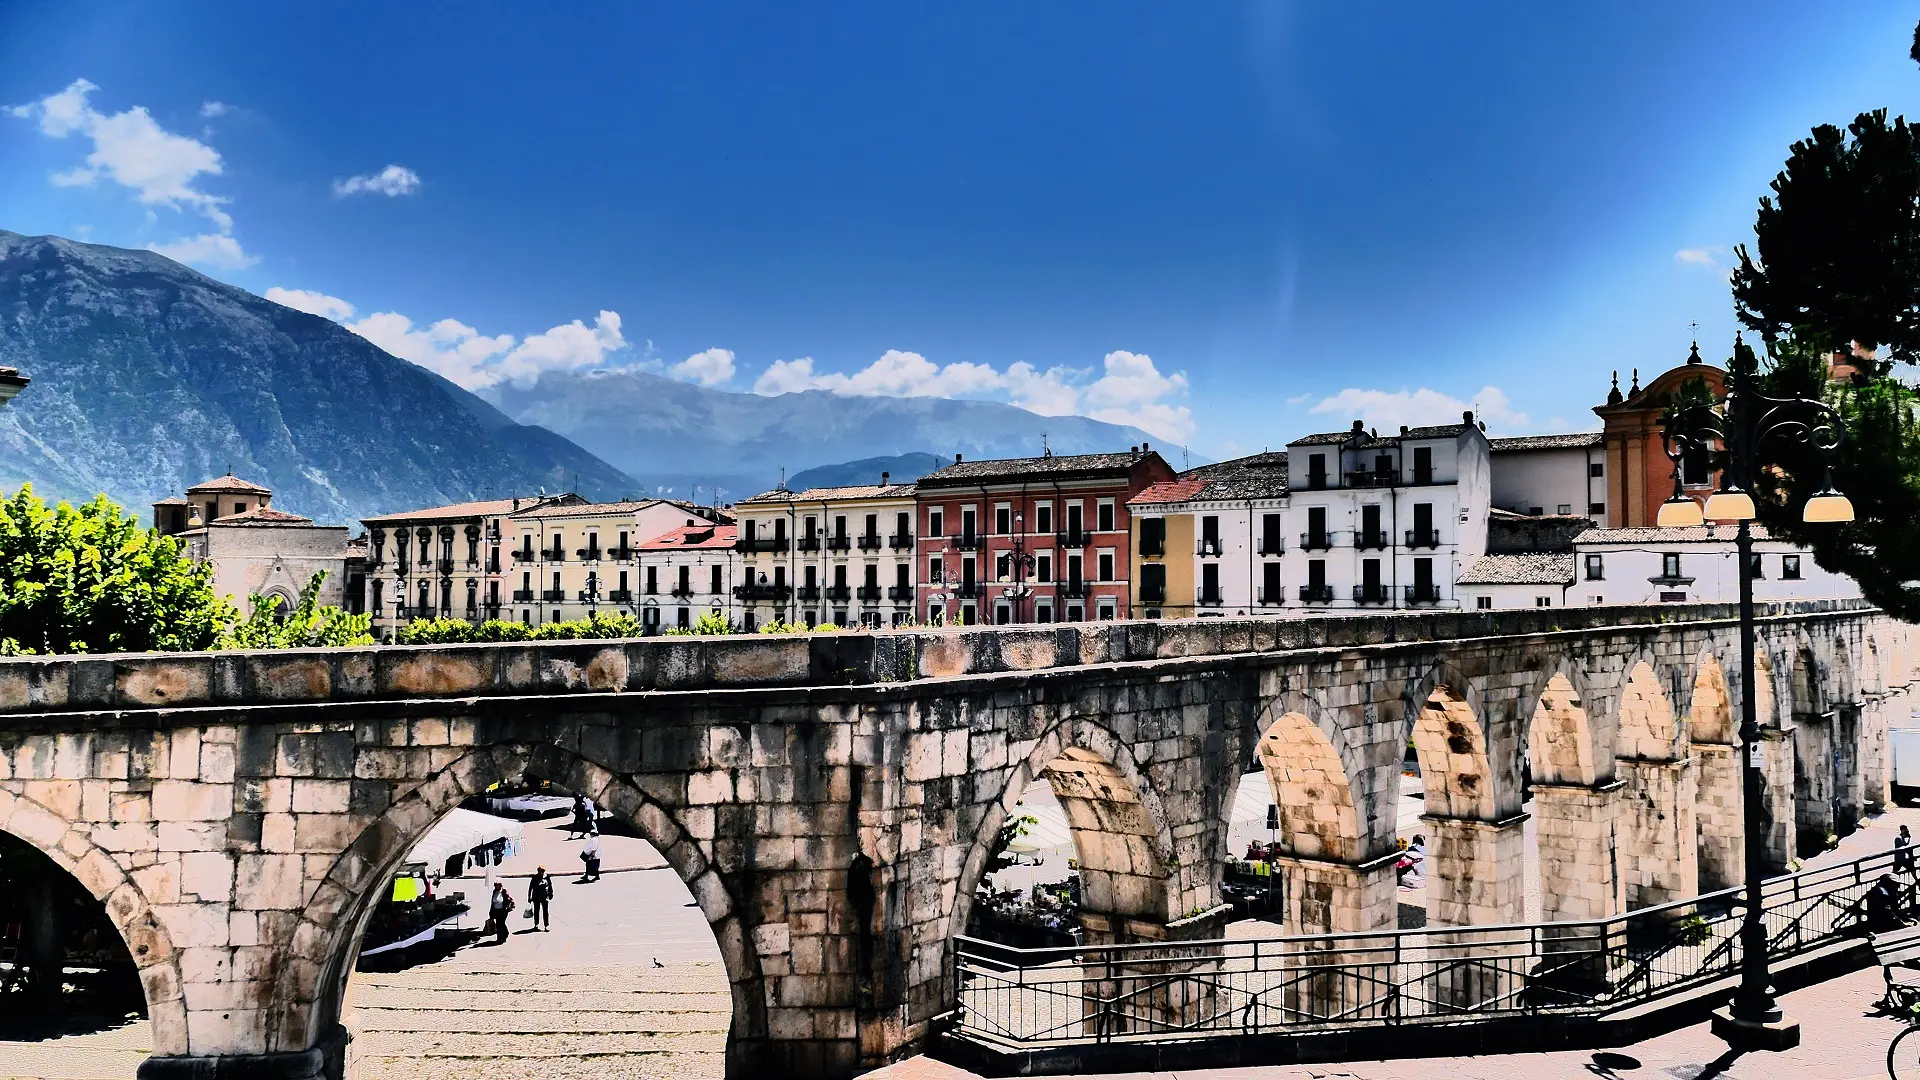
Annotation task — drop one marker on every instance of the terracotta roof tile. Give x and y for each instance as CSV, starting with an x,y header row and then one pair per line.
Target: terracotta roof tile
x,y
229,482
1570,441
694,537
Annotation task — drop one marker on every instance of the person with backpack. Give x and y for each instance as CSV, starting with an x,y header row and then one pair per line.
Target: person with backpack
x,y
497,912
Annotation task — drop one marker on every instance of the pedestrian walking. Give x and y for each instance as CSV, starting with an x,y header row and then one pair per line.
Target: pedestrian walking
x,y
497,911
540,900
1903,852
590,854
582,818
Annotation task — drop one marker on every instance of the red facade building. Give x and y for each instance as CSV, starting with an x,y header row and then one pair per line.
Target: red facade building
x,y
1030,540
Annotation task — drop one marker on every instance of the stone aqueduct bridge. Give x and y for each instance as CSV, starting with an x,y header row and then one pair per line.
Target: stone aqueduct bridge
x,y
831,800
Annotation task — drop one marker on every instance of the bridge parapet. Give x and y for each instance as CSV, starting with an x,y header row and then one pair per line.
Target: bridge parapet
x,y
384,673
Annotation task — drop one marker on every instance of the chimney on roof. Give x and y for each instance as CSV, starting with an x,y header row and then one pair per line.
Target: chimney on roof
x,y
1358,427
1133,449
516,504
884,477
1403,429
1143,446
957,459
1467,416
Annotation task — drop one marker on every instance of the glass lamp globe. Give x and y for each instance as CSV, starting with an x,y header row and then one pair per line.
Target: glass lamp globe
x,y
1730,505
1679,512
1828,507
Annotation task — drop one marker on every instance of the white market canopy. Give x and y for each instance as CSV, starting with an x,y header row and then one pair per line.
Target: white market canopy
x,y
462,831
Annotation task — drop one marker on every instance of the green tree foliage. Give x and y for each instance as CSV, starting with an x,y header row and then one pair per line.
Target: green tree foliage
x,y
1838,269
310,625
89,579
708,624
460,631
1012,829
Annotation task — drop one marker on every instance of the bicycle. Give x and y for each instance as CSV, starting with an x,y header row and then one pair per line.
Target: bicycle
x,y
1907,1066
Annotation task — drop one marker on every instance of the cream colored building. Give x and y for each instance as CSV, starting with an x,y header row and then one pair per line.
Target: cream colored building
x,y
443,561
686,573
255,550
574,560
841,555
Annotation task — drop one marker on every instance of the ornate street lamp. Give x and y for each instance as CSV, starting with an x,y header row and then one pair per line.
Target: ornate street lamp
x,y
1020,563
1744,424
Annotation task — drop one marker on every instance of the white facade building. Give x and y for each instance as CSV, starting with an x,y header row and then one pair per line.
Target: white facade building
x,y
1212,542
687,573
1551,474
1694,566
573,560
1385,521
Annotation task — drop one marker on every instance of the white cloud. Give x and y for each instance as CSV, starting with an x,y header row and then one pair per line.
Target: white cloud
x,y
213,109
132,150
1387,410
391,181
450,347
709,367
216,250
564,348
1695,256
313,303
1129,392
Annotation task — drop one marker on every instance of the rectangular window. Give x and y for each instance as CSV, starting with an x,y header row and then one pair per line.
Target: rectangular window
x,y
840,576
1269,534
623,579
653,580
1153,584
967,525
1757,567
1153,537
933,570
1423,464
1370,532
1598,509
716,587
1483,602
1074,572
1105,519
902,582
1210,535
1074,520
1106,566
873,526
1003,520
1543,601
1596,568
1043,568
1317,527
936,522
1670,564
686,581
1790,567
1043,518
1270,583
1423,587
1210,583
1564,509
1317,574
1316,471
809,527
1596,469
840,525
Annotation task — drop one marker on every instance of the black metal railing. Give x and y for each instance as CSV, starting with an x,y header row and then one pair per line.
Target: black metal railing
x,y
1316,594
1219,988
762,592
839,543
1209,598
1370,594
682,591
867,592
760,543
900,541
1372,478
1424,594
553,595
1423,538
808,592
1153,549
1271,547
1277,596
838,592
968,590
965,542
523,596
554,555
588,554
620,554
1369,538
1208,545
1073,539
1316,541
1075,590
807,543
620,596
900,592
868,542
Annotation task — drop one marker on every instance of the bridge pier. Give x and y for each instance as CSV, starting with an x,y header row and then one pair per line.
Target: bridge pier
x,y
1815,781
1778,804
1658,836
1579,850
1475,870
1876,772
1722,829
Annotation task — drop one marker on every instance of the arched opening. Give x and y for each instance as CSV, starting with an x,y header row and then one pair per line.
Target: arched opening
x,y
1816,787
1573,849
69,985
1659,859
1721,834
1475,857
643,967
1317,845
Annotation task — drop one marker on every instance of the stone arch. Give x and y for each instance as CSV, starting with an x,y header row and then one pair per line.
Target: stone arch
x,y
1649,729
1311,788
312,987
1451,744
1119,804
127,905
1560,742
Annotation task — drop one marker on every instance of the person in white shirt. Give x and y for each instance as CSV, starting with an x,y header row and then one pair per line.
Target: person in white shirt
x,y
590,854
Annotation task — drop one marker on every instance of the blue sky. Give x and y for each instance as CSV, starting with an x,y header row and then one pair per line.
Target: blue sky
x,y
1230,224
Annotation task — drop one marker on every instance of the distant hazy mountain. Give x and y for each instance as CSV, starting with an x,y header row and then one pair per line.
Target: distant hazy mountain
x,y
148,376
672,434
898,468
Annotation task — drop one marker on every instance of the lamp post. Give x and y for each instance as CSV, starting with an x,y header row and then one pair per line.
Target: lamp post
x,y
1744,424
1019,563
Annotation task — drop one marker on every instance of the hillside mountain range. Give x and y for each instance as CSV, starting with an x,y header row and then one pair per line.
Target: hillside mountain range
x,y
673,435
149,376
897,468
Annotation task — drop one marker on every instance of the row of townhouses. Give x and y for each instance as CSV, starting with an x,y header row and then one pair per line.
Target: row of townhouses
x,y
1439,517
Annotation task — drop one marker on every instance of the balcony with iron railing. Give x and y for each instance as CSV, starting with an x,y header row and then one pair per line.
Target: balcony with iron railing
x,y
523,555
900,541
1423,538
965,542
1365,539
838,592
809,592
1316,594
763,592
869,593
1316,541
1208,545
869,542
683,591
588,554
1372,478
554,555
807,543
620,596
1077,590
1073,539
840,543
1209,598
968,590
523,596
1274,598
1428,593
760,543
553,596
620,554
1270,547
900,592
1374,593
